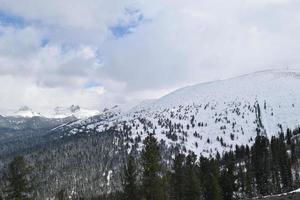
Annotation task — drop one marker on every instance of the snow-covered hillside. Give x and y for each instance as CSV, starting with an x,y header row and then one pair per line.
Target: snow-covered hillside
x,y
210,116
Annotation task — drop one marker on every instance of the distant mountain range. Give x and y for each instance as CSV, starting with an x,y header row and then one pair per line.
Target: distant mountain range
x,y
58,112
26,129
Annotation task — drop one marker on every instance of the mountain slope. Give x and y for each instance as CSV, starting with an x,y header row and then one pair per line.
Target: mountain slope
x,y
86,156
20,133
210,117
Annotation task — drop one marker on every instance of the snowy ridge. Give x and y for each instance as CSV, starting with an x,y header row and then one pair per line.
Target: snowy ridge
x,y
75,111
103,119
27,112
250,86
213,116
56,113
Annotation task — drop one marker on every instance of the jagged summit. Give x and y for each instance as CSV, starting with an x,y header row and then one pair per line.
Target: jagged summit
x,y
73,110
25,111
58,112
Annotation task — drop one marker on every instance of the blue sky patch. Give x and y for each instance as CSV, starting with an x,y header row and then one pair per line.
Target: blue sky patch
x,y
91,84
44,42
7,19
122,29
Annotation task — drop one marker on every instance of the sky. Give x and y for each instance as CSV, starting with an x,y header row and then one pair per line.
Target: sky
x,y
100,53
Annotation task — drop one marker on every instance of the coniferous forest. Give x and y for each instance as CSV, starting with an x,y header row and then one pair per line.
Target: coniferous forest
x,y
268,167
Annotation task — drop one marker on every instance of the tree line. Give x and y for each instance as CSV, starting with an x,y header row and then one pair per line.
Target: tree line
x,y
248,172
267,167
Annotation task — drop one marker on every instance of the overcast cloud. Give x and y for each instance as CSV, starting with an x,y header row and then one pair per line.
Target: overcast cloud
x,y
99,53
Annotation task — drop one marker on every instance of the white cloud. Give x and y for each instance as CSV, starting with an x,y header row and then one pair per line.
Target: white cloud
x,y
74,13
194,41
174,44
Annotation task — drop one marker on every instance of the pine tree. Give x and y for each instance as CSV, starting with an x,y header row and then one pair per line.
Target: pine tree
x,y
295,163
249,177
130,180
210,179
1,191
192,183
275,165
20,186
61,195
288,136
261,164
227,177
178,178
285,165
249,182
152,170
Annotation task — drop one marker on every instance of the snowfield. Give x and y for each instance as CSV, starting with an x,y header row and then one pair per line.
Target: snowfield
x,y
208,117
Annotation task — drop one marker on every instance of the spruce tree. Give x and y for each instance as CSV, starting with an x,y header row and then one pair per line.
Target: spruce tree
x,y
210,179
261,164
177,184
249,182
249,176
295,163
62,195
227,177
192,183
285,165
276,188
152,170
20,185
130,180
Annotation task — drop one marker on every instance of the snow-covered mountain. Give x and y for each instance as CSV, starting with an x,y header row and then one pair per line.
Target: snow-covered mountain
x,y
25,111
56,113
203,118
73,110
208,117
